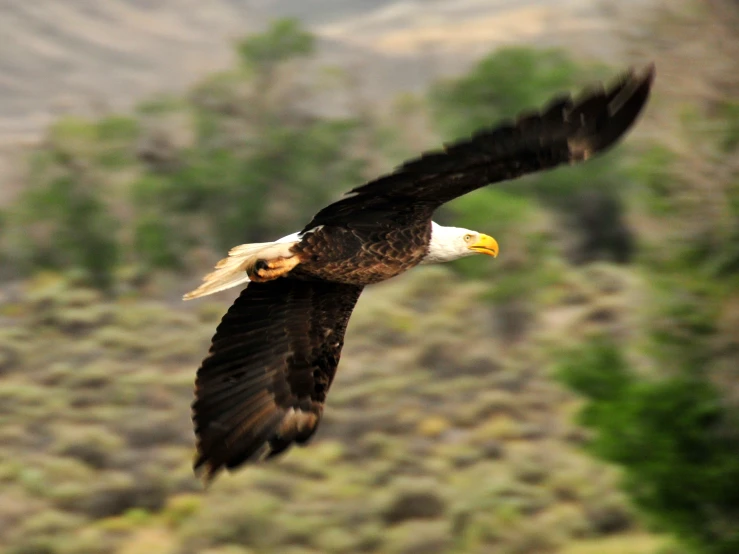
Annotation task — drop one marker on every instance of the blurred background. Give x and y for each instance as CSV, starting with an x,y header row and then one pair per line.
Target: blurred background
x,y
578,395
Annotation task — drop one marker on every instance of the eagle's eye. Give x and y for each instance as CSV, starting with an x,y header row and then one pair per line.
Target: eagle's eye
x,y
467,238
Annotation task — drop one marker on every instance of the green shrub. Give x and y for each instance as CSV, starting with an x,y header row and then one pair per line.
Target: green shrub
x,y
517,79
674,438
502,84
67,224
284,40
114,191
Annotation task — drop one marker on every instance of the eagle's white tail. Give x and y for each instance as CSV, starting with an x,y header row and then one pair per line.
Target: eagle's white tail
x,y
232,271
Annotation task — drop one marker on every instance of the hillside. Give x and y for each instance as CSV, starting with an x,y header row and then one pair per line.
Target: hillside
x,y
443,430
576,395
86,56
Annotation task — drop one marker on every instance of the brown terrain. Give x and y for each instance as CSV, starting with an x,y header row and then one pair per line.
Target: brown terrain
x,y
446,429
83,56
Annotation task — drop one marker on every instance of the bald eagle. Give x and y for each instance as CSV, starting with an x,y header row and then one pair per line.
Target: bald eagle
x,y
273,357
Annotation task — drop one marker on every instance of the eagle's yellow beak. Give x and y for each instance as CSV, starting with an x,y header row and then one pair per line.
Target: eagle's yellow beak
x,y
485,245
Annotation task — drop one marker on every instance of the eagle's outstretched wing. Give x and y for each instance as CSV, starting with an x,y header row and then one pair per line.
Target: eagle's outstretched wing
x,y
567,131
272,359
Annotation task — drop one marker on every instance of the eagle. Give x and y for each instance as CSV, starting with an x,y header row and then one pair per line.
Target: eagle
x,y
263,385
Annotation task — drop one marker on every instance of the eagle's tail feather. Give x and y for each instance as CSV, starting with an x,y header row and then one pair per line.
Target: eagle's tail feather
x,y
233,270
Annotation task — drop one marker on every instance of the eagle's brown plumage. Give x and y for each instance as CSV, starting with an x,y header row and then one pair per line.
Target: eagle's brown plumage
x,y
275,353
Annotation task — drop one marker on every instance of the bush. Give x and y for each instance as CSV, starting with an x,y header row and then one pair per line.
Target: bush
x,y
237,160
62,222
501,85
518,79
673,436
284,40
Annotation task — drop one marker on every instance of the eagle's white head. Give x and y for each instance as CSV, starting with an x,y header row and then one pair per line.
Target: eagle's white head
x,y
452,243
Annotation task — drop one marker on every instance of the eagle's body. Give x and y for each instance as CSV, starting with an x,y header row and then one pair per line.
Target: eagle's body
x,y
361,257
275,353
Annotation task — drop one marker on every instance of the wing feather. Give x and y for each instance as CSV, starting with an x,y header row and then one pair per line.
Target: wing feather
x,y
566,131
263,385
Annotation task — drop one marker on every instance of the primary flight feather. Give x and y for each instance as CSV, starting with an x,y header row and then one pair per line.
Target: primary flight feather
x,y
263,385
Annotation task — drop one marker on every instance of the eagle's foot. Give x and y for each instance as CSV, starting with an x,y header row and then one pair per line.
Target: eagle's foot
x,y
266,270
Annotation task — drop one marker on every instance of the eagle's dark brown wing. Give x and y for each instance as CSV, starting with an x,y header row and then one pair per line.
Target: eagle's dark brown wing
x,y
272,359
567,131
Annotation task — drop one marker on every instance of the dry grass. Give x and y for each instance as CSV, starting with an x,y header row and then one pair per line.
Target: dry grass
x,y
436,435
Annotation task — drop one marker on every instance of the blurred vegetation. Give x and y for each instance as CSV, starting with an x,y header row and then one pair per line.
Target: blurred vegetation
x,y
240,159
675,438
453,443
461,439
672,423
588,196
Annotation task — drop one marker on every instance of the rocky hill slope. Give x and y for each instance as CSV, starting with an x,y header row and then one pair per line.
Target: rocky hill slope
x,y
84,55
443,432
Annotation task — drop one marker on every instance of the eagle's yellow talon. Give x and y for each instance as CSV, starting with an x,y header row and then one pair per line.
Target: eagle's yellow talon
x,y
266,270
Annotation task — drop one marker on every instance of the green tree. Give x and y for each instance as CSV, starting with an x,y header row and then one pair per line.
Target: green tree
x,y
672,423
515,79
284,40
501,85
675,438
238,159
63,219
